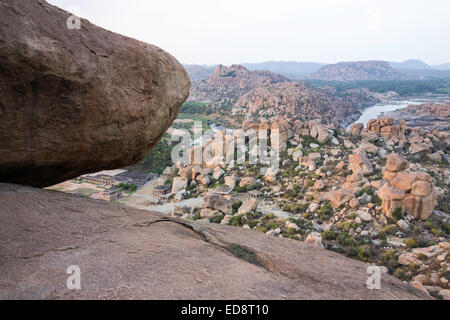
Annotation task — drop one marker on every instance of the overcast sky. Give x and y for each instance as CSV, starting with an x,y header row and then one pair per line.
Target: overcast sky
x,y
236,31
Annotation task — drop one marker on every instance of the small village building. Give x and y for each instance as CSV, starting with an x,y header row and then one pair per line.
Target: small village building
x,y
160,191
109,178
112,194
256,194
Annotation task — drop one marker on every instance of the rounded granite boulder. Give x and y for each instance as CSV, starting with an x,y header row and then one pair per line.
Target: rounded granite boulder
x,y
74,101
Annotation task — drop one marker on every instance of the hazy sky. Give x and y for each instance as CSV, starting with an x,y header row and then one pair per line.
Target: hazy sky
x,y
236,31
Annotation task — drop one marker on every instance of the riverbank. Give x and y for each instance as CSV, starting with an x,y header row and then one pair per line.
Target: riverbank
x,y
380,109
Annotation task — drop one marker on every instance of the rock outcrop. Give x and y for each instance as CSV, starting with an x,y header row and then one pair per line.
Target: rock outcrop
x,y
78,101
409,192
126,253
386,127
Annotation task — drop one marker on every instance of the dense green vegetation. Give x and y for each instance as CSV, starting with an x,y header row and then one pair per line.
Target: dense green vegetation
x,y
128,186
403,88
196,108
159,158
205,112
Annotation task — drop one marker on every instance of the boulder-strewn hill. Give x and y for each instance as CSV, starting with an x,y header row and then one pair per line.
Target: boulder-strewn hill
x,y
297,101
229,83
126,253
357,71
262,93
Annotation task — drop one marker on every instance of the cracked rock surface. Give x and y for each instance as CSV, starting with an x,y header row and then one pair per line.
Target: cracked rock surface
x,y
78,101
126,253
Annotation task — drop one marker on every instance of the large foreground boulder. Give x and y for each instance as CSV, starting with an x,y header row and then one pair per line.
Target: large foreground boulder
x,y
78,101
126,253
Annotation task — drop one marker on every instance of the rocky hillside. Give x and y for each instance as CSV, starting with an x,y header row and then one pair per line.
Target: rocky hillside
x,y
357,71
378,193
266,94
432,116
297,101
125,253
229,83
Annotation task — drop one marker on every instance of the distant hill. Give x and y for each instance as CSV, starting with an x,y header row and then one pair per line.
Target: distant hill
x,y
412,69
357,71
410,64
290,69
414,64
199,72
425,74
443,66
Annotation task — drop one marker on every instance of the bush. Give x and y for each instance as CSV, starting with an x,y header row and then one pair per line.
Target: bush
x,y
329,235
295,208
236,205
390,229
402,275
344,240
419,242
390,259
365,190
236,221
216,219
365,253
128,186
376,200
446,227
269,216
243,253
325,211
398,214
262,228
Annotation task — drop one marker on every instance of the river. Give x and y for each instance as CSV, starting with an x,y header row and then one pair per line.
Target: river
x,y
377,110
